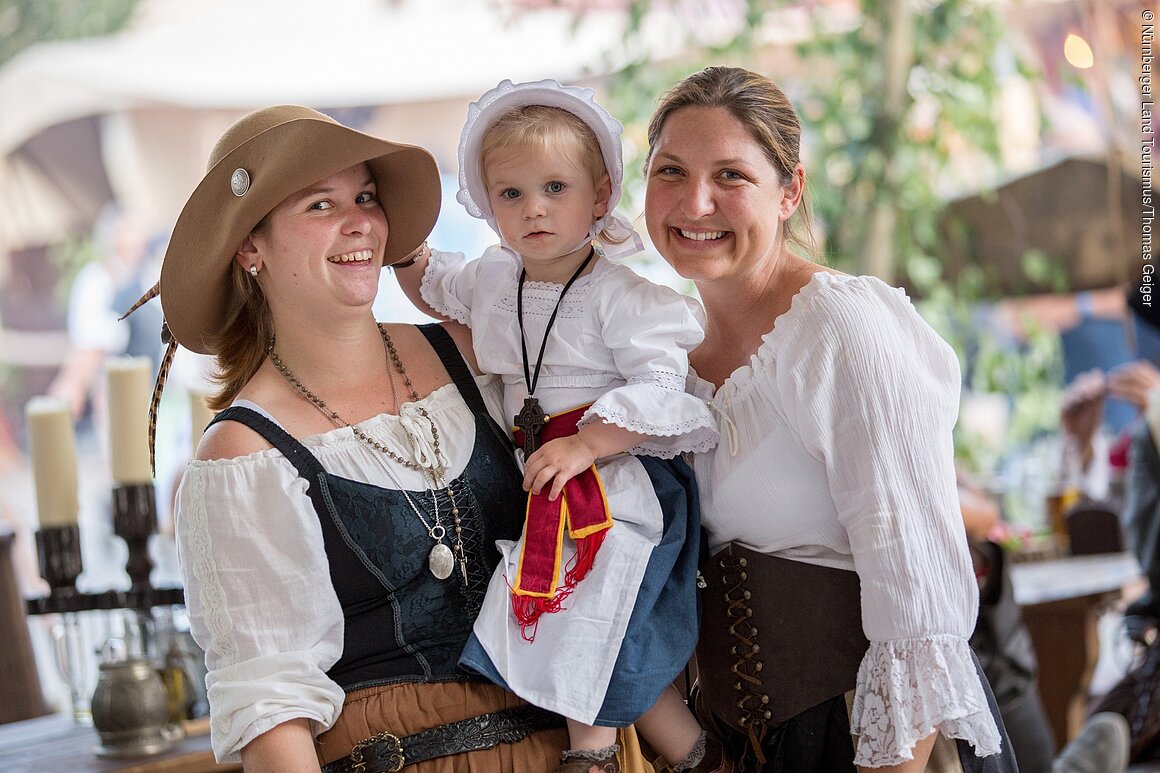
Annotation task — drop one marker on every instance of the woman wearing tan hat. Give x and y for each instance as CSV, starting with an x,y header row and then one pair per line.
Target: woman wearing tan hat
x,y
336,529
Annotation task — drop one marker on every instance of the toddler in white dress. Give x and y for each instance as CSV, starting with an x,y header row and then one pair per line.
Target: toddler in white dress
x,y
592,613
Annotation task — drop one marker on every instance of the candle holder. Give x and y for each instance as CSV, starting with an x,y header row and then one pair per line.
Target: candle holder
x,y
135,521
59,551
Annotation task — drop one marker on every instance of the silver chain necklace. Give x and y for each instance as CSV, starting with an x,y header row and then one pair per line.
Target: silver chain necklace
x,y
440,561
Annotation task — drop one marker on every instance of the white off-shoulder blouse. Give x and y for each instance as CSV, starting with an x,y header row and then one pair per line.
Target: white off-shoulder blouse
x,y
619,342
257,582
836,450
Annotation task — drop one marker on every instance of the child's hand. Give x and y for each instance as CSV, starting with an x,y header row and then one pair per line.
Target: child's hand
x,y
557,462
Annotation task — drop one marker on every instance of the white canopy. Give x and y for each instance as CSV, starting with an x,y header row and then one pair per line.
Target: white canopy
x,y
145,105
242,53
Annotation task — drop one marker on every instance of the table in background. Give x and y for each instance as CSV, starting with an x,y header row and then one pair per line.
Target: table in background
x,y
56,743
1062,600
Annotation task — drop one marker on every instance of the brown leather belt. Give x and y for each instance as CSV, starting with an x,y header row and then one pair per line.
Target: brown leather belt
x,y
387,753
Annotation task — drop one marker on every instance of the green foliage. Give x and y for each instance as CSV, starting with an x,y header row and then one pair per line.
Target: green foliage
x,y
866,152
1044,270
861,151
25,22
1027,375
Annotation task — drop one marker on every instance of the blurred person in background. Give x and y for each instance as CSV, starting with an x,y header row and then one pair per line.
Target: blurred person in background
x,y
100,293
1127,464
1003,645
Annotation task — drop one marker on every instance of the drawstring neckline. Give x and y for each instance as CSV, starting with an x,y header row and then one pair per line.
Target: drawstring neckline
x,y
728,426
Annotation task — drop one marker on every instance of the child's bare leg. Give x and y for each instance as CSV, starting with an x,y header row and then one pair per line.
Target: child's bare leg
x,y
582,736
590,744
669,727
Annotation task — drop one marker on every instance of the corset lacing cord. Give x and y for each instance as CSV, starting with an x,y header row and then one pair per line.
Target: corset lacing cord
x,y
747,666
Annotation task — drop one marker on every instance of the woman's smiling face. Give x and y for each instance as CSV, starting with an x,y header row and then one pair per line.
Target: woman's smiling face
x,y
323,243
714,203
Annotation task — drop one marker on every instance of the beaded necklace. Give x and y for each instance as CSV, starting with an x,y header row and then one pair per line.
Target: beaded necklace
x,y
441,560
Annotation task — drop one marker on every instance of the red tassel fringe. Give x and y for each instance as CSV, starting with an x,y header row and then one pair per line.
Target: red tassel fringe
x,y
581,563
527,609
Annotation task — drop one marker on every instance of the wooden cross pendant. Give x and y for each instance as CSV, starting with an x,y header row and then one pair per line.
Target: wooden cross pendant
x,y
530,420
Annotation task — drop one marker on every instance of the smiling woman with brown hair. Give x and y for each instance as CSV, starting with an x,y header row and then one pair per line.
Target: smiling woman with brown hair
x,y
336,529
832,509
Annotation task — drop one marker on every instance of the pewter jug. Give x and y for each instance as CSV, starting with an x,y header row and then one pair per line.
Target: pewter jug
x,y
130,709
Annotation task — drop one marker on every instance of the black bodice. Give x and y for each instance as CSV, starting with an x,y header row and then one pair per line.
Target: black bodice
x,y
402,624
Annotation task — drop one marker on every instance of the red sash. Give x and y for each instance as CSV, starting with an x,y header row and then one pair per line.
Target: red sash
x,y
583,507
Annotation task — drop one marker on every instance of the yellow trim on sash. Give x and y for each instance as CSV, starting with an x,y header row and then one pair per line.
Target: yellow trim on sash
x,y
555,563
606,523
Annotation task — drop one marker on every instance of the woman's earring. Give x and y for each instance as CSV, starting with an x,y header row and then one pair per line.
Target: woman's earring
x,y
254,270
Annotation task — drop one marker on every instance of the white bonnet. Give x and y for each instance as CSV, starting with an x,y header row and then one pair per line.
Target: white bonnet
x,y
581,102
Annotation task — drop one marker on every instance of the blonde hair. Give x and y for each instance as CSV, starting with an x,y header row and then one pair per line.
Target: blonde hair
x,y
548,130
243,341
762,108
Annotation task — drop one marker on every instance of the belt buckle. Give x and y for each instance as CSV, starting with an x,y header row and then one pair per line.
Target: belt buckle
x,y
393,753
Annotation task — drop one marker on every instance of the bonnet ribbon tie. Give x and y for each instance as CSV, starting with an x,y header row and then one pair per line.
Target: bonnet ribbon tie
x,y
623,241
583,507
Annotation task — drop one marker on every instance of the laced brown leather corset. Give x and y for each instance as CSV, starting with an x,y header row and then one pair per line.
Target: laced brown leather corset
x,y
777,637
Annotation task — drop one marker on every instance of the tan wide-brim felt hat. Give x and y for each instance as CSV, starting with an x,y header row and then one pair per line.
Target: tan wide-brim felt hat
x,y
260,160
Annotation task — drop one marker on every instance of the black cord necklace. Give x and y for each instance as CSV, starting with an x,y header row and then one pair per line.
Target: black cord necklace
x,y
531,418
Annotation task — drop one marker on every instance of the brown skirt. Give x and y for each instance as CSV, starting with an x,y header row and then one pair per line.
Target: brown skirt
x,y
403,709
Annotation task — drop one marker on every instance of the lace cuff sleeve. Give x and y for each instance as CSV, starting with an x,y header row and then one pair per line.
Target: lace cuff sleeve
x,y
675,422
447,283
909,687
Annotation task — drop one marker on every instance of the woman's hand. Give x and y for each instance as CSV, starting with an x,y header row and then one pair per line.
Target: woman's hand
x,y
1132,381
1082,409
557,462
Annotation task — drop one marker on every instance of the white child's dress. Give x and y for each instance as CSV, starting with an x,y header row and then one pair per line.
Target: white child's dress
x,y
620,343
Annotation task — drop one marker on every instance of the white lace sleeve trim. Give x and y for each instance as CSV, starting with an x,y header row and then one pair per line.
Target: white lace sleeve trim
x,y
668,380
909,687
433,287
674,421
212,596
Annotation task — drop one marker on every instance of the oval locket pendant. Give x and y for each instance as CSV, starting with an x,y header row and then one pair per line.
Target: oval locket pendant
x,y
441,561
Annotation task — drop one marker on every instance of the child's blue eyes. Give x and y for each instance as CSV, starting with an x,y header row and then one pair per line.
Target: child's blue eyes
x,y
553,187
